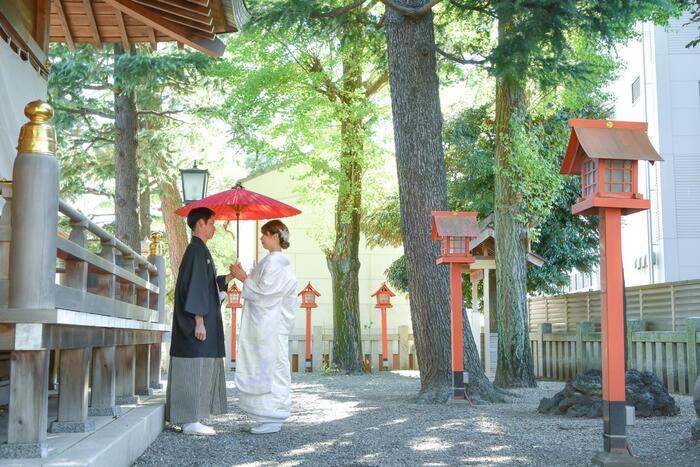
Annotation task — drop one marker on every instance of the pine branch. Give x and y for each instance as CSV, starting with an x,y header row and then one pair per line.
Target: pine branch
x,y
95,191
479,9
414,13
166,114
372,87
459,59
86,112
335,12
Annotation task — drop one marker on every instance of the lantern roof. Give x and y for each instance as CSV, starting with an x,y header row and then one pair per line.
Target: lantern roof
x,y
606,139
234,288
309,288
384,289
484,244
454,224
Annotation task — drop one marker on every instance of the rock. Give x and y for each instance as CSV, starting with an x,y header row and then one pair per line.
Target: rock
x,y
582,396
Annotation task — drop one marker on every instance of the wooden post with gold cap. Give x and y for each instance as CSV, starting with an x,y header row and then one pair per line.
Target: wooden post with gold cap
x,y
156,258
33,275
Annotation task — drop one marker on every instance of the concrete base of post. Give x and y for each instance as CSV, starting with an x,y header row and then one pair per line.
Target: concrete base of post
x,y
127,400
24,450
307,366
72,427
114,411
233,365
385,365
614,459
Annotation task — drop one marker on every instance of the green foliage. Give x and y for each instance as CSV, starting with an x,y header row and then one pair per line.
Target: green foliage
x,y
694,21
300,88
564,240
82,85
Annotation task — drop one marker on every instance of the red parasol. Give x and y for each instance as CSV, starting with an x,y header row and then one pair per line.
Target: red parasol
x,y
241,204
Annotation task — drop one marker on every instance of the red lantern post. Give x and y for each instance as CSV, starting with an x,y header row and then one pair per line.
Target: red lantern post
x,y
605,154
455,230
308,300
234,302
384,295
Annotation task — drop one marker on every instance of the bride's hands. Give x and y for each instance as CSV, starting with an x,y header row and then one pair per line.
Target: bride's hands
x,y
237,271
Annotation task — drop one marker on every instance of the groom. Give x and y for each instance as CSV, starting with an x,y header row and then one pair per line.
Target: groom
x,y
196,381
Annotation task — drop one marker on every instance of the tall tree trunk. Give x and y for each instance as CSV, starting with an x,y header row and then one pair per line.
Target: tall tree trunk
x,y
126,170
145,212
415,103
514,367
343,261
175,226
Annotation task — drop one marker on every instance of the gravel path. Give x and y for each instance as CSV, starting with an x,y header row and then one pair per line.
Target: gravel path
x,y
371,420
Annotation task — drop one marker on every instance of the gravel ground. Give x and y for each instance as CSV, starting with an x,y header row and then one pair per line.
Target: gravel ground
x,y
372,420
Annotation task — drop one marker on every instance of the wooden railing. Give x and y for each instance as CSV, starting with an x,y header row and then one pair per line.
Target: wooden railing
x,y
672,355
116,282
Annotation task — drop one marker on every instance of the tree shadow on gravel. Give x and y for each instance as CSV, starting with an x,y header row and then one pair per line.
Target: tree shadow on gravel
x,y
371,420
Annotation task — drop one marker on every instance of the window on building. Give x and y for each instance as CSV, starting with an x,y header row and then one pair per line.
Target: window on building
x,y
636,90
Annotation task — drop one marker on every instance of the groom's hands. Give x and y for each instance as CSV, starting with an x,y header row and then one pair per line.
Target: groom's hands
x,y
237,271
200,332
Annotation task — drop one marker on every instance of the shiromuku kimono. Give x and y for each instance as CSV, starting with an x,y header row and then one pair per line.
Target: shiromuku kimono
x,y
263,375
196,381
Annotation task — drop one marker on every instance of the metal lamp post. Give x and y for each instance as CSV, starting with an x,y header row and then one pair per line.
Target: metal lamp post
x,y
194,183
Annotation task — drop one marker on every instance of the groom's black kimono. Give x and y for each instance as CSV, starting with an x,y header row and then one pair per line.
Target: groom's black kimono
x,y
196,383
196,293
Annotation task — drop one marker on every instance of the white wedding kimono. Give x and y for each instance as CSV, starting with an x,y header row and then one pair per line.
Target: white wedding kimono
x,y
263,375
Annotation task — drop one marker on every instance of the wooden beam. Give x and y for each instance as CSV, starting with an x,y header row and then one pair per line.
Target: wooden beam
x,y
93,24
64,24
177,10
213,47
199,2
195,7
41,24
152,39
122,30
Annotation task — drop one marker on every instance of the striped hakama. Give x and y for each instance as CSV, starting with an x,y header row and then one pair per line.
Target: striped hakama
x,y
196,389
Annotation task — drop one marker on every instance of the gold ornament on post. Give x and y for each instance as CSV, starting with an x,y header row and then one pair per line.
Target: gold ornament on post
x,y
155,248
38,136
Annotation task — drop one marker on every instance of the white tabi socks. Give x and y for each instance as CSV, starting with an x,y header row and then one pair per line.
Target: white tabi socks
x,y
197,429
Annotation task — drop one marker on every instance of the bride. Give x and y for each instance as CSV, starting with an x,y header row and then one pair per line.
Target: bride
x,y
263,375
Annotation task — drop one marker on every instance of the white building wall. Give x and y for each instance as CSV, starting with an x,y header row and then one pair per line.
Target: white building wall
x,y
19,85
308,260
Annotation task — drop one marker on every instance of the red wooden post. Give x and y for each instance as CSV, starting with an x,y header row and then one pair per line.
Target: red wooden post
x,y
307,354
308,300
385,346
234,302
455,230
456,330
606,154
384,295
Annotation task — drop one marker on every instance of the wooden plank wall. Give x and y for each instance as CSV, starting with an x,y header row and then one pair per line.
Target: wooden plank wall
x,y
663,306
672,355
